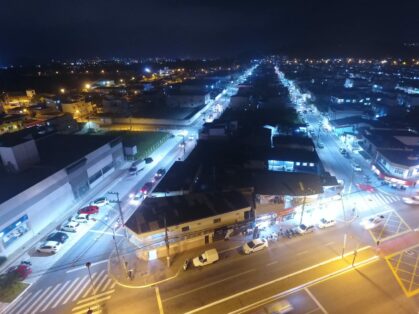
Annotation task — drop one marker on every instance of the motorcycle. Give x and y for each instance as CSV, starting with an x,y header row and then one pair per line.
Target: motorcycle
x,y
186,264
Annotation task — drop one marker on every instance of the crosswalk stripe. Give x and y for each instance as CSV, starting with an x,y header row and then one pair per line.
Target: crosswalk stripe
x,y
92,302
30,301
98,286
99,277
11,308
107,284
82,288
42,298
75,289
93,297
51,299
88,290
59,292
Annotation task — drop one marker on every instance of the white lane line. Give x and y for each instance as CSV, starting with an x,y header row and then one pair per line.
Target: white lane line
x,y
77,289
94,303
30,301
63,295
302,252
84,267
17,304
276,280
159,302
329,243
208,285
315,300
107,284
230,249
85,282
59,292
271,263
100,295
50,299
89,289
98,285
43,299
35,303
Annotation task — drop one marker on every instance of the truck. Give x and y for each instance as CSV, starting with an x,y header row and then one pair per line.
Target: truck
x,y
206,258
137,166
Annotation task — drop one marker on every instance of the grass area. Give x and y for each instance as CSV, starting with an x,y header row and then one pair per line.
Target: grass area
x,y
10,292
146,142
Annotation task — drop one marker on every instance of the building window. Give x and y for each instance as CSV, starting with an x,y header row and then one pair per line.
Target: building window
x,y
304,164
14,231
297,163
311,164
217,220
184,229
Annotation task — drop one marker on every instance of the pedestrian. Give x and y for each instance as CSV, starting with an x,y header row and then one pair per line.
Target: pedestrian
x,y
131,274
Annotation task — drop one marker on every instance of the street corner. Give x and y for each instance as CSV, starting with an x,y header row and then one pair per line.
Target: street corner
x,y
393,226
404,266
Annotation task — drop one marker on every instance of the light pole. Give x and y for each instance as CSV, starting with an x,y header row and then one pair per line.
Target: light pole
x,y
113,237
120,211
88,264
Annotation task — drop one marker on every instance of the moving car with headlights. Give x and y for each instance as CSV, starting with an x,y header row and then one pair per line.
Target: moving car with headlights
x,y
160,173
413,200
254,246
70,226
89,210
136,199
49,247
279,307
372,222
325,223
356,167
303,229
206,258
147,188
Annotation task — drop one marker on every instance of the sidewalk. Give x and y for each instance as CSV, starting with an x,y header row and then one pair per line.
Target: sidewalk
x,y
398,244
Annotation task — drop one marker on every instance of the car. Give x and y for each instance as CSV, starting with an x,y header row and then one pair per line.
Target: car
x,y
148,160
279,307
254,246
161,172
22,271
414,200
365,187
50,247
70,226
80,218
320,145
356,167
101,201
136,199
325,223
302,229
342,151
89,210
147,188
58,237
373,222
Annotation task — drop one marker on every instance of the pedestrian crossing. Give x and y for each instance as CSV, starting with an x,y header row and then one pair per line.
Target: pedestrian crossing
x,y
365,201
77,289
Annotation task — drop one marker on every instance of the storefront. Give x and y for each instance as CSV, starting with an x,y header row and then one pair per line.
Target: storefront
x,y
14,232
392,180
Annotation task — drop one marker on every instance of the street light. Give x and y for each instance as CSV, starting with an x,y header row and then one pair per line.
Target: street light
x,y
88,264
120,211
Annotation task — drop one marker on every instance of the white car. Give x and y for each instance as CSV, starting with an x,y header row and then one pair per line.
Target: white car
x,y
136,199
81,218
50,247
101,201
71,226
414,200
356,167
302,229
373,222
254,246
325,223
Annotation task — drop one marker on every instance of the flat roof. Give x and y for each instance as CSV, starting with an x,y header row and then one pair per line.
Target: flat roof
x,y
183,209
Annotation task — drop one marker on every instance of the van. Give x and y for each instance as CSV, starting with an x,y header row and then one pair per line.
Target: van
x,y
206,258
280,307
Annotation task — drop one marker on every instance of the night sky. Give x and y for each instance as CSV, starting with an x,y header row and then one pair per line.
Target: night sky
x,y
44,29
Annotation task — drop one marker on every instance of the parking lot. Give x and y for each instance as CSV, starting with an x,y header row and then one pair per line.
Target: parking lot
x,y
404,266
393,225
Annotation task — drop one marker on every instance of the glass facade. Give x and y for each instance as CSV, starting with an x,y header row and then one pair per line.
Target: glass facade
x,y
14,231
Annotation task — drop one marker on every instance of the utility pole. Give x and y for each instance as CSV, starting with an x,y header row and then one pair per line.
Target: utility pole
x,y
166,240
355,254
304,202
88,264
344,244
120,212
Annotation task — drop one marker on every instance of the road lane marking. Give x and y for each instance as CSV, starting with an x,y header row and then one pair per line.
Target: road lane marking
x,y
31,299
43,295
99,295
209,285
89,289
83,267
159,302
59,291
282,278
75,289
230,249
302,252
292,290
83,283
16,302
50,299
315,300
272,263
92,303
329,243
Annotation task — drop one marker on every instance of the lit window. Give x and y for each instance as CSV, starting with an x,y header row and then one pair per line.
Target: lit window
x,y
311,164
185,229
304,164
297,163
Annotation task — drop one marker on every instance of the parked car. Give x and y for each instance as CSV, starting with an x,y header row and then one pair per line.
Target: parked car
x,y
254,246
342,151
325,223
302,229
414,200
89,210
206,258
373,222
58,237
101,201
147,188
148,160
136,199
80,218
50,247
71,226
356,167
320,145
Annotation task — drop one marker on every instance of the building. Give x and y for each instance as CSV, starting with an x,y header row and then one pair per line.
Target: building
x,y
78,108
11,123
191,99
15,102
190,220
43,176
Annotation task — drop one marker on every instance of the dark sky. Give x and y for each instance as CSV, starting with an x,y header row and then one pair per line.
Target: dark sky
x,y
42,29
